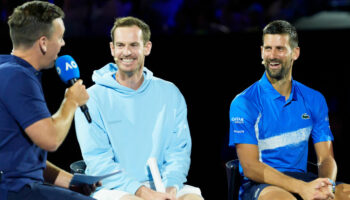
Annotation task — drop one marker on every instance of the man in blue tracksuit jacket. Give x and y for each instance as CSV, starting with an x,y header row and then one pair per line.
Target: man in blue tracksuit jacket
x,y
135,116
271,123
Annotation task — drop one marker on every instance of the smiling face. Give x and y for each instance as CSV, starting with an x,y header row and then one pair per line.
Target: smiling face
x,y
278,56
129,50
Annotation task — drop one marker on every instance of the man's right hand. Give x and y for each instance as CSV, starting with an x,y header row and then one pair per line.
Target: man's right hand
x,y
49,133
149,194
77,93
318,189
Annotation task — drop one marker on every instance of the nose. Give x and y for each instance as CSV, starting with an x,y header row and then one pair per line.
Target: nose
x,y
273,53
126,51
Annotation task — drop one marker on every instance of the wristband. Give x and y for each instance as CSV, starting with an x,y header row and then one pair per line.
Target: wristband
x,y
333,185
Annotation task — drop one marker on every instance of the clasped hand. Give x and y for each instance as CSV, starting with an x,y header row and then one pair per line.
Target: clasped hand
x,y
319,189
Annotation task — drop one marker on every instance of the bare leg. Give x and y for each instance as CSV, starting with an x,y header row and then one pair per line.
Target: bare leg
x,y
130,197
275,193
342,192
190,197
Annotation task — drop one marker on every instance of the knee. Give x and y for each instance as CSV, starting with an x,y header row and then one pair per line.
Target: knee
x,y
342,192
275,193
190,197
277,197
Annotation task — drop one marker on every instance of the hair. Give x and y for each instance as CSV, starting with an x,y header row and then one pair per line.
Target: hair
x,y
132,21
282,27
32,20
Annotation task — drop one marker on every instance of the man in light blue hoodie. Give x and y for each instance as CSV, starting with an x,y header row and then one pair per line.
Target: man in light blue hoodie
x,y
135,116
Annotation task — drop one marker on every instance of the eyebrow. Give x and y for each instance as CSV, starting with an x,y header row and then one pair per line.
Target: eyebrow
x,y
131,43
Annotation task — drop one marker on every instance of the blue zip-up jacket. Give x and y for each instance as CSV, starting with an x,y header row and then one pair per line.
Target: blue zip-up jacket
x,y
130,126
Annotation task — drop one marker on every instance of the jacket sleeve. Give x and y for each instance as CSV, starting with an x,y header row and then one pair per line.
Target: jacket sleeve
x,y
98,152
178,151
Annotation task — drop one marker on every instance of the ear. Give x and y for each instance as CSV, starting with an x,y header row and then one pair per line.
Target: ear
x,y
43,44
296,53
111,46
262,52
147,49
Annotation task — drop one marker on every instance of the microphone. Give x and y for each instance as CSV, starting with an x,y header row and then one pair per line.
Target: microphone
x,y
68,71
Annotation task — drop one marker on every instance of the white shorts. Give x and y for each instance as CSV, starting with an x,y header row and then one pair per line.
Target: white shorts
x,y
106,194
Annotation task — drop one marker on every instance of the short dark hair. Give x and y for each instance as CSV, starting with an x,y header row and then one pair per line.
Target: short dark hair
x,y
32,20
282,27
132,21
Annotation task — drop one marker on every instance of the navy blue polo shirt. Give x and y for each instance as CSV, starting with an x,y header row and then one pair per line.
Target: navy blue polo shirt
x,y
281,128
22,103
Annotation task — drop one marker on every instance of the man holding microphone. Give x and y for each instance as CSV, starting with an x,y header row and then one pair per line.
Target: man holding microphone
x,y
27,129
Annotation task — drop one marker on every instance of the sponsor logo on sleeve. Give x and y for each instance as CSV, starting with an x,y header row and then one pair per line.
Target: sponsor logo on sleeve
x,y
237,120
238,131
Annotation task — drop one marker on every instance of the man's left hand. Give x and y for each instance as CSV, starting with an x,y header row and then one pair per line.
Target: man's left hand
x,y
85,188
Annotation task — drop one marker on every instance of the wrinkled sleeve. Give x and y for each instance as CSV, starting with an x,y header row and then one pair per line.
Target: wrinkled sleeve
x,y
178,151
321,131
25,100
243,117
98,152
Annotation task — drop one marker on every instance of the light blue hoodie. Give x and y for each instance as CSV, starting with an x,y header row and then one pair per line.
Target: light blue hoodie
x,y
128,127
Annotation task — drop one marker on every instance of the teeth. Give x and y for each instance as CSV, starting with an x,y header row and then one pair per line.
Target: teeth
x,y
127,60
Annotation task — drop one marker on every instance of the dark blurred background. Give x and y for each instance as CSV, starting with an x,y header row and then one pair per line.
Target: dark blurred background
x,y
211,51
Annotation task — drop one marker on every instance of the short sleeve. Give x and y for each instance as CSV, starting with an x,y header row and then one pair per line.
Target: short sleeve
x,y
23,97
243,116
321,131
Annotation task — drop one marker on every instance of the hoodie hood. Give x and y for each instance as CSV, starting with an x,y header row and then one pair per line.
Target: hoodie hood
x,y
104,77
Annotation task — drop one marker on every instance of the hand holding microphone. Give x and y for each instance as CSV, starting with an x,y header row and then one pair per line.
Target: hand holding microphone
x,y
68,71
77,93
